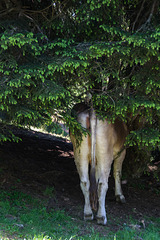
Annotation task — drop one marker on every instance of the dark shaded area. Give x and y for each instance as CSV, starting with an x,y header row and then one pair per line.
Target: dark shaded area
x,y
42,161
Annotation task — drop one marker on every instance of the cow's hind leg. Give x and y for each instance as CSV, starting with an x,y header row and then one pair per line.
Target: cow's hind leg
x,y
88,214
103,171
102,189
117,176
82,157
103,176
104,155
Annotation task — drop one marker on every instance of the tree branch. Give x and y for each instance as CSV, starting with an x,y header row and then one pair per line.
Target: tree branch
x,y
149,18
138,15
32,20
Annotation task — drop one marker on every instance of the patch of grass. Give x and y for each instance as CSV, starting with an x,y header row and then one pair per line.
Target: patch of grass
x,y
25,217
49,191
149,234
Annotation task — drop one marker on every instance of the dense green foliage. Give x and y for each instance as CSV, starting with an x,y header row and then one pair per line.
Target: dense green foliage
x,y
53,53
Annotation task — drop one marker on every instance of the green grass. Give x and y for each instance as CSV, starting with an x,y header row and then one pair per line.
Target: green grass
x,y
151,233
25,217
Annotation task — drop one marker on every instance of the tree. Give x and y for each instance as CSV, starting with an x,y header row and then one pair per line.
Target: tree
x,y
54,53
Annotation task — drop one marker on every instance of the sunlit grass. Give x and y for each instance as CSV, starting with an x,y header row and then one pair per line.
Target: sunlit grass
x,y
25,217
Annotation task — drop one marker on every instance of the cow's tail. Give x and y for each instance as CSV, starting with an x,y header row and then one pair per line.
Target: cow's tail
x,y
93,184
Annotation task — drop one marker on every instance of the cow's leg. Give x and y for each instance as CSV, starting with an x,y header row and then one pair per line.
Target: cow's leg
x,y
82,157
104,154
117,176
102,190
88,214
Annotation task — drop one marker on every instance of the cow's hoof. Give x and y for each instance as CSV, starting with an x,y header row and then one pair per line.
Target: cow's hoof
x,y
88,217
102,220
120,198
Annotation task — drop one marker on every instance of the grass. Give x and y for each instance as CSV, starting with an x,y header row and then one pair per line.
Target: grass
x,y
151,233
25,217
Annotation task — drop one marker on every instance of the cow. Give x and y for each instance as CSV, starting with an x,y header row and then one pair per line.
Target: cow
x,y
98,149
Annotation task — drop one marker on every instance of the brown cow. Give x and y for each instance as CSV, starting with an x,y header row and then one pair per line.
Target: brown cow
x,y
100,148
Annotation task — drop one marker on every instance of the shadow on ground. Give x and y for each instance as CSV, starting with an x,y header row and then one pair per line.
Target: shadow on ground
x,y
41,161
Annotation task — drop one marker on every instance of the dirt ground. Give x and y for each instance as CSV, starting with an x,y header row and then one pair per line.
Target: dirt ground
x,y
42,163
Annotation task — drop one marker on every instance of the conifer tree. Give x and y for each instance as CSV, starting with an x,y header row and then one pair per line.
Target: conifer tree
x,y
54,53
